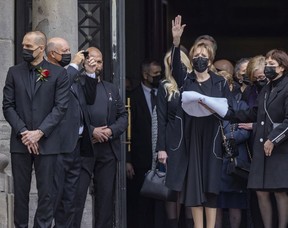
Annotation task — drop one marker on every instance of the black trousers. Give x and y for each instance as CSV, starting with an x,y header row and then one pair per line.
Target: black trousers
x,y
22,165
66,181
102,169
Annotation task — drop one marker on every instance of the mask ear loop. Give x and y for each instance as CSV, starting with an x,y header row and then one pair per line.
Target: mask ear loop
x,y
35,50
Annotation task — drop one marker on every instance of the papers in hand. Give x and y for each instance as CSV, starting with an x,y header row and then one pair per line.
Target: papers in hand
x,y
191,105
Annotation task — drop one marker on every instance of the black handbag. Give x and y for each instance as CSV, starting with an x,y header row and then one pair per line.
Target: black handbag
x,y
154,186
239,168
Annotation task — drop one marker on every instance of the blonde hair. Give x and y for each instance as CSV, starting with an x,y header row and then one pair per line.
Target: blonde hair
x,y
228,77
256,63
209,49
170,85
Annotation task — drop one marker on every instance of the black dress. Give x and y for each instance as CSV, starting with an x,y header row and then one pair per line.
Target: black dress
x,y
202,140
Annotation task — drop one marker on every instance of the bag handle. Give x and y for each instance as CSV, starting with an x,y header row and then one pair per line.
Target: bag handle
x,y
232,129
265,108
154,168
222,131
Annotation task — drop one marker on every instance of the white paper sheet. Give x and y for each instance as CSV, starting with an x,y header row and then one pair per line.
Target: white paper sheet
x,y
190,104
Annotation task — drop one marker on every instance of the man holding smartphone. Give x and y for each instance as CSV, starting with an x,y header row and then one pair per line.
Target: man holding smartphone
x,y
74,131
108,122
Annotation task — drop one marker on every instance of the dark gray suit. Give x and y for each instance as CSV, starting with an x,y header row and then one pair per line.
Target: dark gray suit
x,y
26,111
108,109
73,145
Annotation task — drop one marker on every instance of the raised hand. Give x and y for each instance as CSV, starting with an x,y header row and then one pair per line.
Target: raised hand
x,y
177,30
78,58
90,65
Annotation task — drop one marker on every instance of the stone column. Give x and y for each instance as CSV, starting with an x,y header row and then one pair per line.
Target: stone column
x,y
57,18
7,11
6,59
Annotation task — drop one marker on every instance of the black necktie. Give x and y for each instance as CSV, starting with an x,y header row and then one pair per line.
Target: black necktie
x,y
32,77
153,98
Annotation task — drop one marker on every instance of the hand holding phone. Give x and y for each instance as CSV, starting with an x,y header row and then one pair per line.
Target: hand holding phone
x,y
86,54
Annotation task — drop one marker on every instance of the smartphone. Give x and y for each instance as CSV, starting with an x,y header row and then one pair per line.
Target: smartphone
x,y
86,54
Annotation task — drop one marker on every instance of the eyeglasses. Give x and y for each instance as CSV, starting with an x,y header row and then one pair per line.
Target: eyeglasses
x,y
64,52
260,77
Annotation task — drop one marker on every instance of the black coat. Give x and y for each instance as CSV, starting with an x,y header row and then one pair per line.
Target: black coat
x,y
117,119
269,172
170,135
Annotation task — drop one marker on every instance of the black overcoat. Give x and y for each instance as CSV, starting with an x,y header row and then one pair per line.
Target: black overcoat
x,y
268,173
170,137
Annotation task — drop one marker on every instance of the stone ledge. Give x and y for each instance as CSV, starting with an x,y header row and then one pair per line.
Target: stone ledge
x,y
6,210
3,209
5,130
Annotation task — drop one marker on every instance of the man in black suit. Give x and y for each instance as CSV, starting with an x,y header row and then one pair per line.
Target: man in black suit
x,y
108,122
140,211
35,99
75,133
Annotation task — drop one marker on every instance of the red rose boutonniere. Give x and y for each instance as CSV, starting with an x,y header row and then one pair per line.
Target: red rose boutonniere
x,y
42,74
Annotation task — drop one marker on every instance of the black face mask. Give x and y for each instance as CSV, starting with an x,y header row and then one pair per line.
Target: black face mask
x,y
239,81
200,64
261,83
270,72
155,81
65,60
27,55
246,80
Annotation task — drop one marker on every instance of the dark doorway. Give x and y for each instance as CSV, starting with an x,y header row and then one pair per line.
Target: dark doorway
x,y
241,28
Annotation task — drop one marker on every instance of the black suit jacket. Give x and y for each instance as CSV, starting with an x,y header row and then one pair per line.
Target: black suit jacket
x,y
69,127
44,110
141,142
117,119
